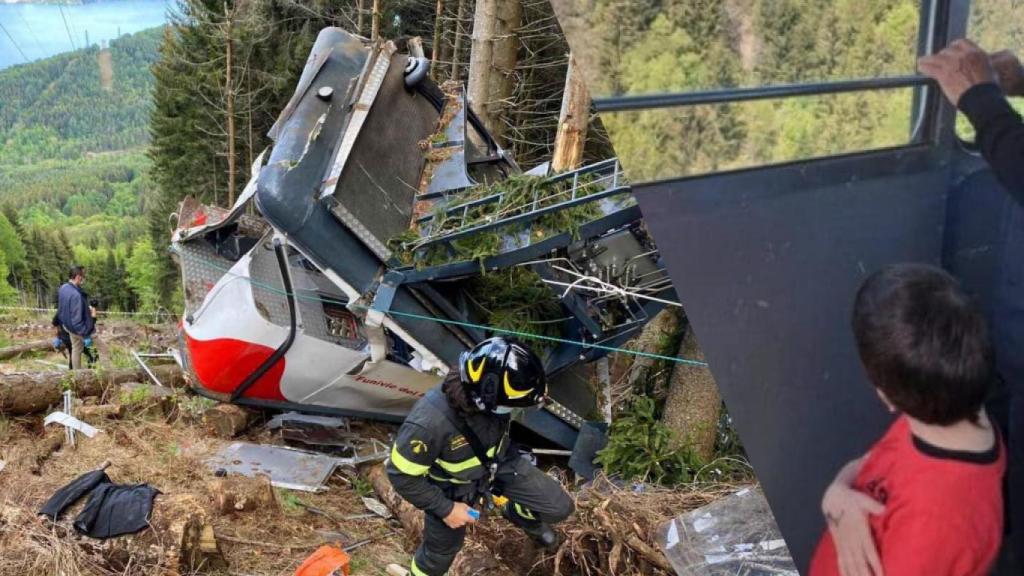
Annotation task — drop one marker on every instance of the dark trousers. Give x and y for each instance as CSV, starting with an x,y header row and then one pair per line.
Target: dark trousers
x,y
534,499
1009,332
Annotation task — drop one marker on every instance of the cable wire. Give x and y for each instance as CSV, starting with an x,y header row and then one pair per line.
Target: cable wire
x,y
11,38
460,323
60,7
39,45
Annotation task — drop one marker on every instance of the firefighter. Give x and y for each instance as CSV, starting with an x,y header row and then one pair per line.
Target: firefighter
x,y
452,456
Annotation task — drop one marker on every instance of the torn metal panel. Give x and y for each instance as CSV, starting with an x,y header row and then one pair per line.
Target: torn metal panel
x,y
286,467
72,423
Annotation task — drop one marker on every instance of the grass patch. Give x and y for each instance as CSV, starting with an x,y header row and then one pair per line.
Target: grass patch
x,y
362,486
135,397
290,502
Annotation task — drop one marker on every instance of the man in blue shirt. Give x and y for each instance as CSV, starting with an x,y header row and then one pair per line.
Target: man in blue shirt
x,y
74,314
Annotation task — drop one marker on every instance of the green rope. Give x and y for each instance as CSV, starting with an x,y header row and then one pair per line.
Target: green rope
x,y
460,323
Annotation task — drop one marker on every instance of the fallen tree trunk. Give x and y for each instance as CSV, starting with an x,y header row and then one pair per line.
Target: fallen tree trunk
x,y
99,412
407,514
28,392
37,346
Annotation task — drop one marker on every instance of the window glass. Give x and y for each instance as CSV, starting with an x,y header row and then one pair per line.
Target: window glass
x,y
671,142
995,25
650,46
628,47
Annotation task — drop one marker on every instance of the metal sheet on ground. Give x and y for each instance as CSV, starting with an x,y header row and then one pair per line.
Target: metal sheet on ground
x,y
286,467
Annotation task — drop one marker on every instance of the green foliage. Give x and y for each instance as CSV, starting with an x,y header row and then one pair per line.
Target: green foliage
x,y
683,45
517,299
290,502
143,269
60,109
640,447
362,486
516,195
135,397
70,191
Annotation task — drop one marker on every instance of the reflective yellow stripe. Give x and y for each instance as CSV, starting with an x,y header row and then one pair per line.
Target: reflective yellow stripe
x,y
525,513
406,466
456,467
415,569
452,480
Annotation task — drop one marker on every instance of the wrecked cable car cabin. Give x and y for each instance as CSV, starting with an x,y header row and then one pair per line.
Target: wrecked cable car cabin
x,y
355,266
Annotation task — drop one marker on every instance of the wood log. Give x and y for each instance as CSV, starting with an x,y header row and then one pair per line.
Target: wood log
x,y
180,540
235,494
32,455
99,412
28,392
407,514
228,420
27,347
651,339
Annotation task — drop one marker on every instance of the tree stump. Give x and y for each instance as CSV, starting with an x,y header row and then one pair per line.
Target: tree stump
x,y
228,420
235,494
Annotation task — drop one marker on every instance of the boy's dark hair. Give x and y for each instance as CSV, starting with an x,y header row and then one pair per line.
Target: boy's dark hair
x,y
75,270
923,343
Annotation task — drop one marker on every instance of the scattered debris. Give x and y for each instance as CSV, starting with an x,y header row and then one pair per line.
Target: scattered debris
x,y
149,372
377,507
71,422
287,467
326,561
735,535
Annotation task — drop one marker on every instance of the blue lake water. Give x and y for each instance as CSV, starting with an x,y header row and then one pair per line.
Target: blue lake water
x,y
38,30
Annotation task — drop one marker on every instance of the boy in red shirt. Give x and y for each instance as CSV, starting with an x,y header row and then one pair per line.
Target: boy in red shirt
x,y
927,498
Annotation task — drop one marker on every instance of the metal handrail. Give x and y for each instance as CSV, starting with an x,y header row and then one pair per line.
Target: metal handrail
x,y
626,103
598,167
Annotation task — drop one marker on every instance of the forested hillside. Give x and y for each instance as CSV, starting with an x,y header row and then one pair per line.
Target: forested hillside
x,y
87,101
645,46
74,178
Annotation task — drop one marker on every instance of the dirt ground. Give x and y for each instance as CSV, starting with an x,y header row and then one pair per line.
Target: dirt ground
x,y
612,532
169,456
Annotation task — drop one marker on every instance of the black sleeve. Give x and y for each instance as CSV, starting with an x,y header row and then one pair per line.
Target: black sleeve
x,y
414,451
1000,134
